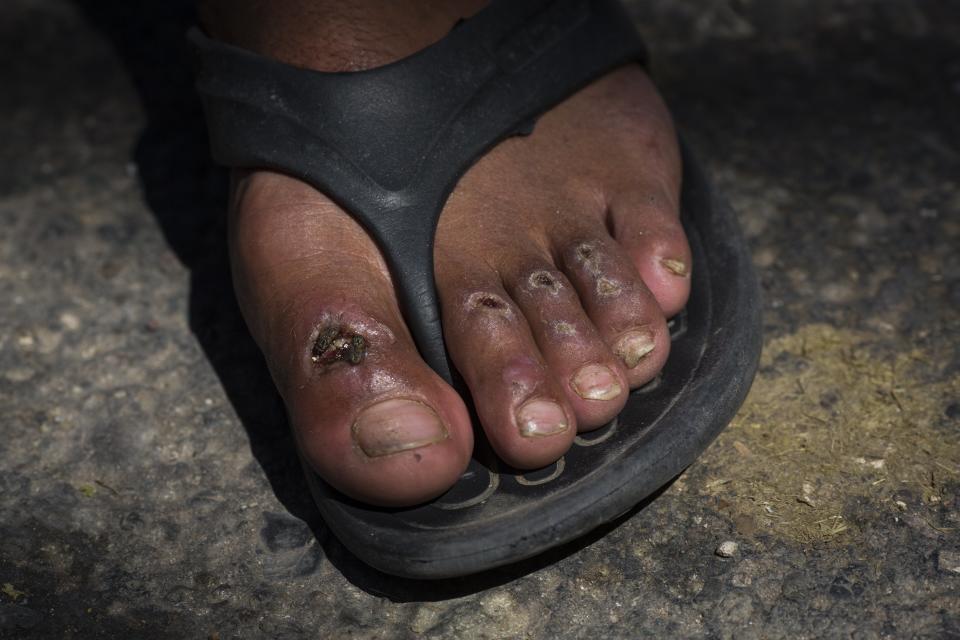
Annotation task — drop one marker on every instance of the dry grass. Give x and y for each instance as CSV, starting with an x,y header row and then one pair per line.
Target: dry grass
x,y
829,419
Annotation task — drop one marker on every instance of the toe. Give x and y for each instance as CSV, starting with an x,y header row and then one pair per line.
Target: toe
x,y
386,430
619,304
520,403
594,381
379,425
647,225
368,415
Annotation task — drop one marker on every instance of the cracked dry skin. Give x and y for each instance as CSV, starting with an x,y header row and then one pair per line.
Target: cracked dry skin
x,y
148,487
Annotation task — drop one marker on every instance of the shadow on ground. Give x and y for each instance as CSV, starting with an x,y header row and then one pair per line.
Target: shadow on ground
x,y
187,195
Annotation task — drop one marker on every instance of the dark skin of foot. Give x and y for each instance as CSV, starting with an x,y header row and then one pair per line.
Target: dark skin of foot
x,y
558,257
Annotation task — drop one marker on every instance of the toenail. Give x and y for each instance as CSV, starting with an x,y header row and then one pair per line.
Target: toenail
x,y
397,425
596,382
540,418
676,267
634,346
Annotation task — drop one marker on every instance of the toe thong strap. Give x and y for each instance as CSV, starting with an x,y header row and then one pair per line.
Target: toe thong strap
x,y
388,144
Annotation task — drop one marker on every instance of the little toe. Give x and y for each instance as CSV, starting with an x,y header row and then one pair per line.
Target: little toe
x,y
647,225
619,304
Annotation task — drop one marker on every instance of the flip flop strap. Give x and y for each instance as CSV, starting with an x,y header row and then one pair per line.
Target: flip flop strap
x,y
389,144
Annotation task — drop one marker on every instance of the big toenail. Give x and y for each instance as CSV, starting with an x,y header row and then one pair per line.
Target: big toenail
x,y
676,267
634,346
540,418
397,425
596,382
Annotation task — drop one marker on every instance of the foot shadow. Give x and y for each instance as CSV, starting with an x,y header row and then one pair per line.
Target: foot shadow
x,y
187,195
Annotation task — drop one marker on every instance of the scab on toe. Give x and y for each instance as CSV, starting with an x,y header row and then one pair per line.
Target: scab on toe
x,y
335,344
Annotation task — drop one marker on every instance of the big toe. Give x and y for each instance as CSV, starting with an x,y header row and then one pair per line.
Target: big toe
x,y
367,413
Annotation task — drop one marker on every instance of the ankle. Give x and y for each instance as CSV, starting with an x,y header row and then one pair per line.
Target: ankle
x,y
334,35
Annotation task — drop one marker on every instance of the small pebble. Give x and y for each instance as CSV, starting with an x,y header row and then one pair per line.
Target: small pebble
x,y
727,549
69,321
874,463
806,496
948,561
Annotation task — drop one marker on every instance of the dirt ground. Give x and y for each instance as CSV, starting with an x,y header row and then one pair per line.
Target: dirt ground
x,y
149,488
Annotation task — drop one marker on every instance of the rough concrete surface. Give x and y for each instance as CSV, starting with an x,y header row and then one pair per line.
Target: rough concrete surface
x,y
148,487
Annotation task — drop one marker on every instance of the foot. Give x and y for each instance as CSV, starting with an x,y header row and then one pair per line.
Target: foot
x,y
558,256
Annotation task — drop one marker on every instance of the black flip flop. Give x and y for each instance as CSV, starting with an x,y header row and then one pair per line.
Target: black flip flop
x,y
388,145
